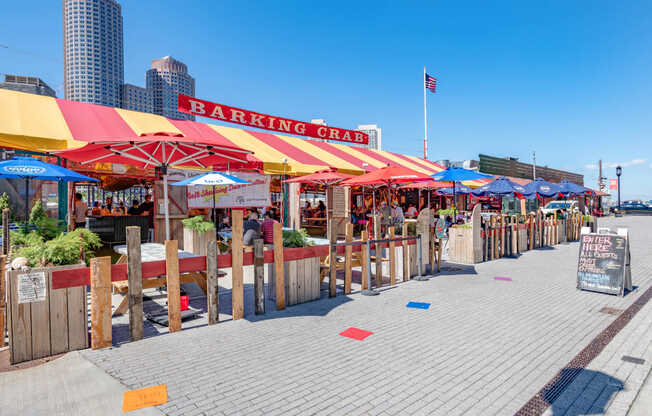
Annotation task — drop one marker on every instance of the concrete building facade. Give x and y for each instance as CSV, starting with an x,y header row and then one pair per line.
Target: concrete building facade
x,y
137,98
167,78
375,135
32,85
93,51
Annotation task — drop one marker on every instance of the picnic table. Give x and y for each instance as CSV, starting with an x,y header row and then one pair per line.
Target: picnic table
x,y
227,235
154,252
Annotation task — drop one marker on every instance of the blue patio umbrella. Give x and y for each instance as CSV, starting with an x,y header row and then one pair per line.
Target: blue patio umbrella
x,y
568,188
543,188
20,167
455,174
460,189
501,187
213,179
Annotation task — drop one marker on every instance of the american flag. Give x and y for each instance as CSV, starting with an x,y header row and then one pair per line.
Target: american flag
x,y
431,83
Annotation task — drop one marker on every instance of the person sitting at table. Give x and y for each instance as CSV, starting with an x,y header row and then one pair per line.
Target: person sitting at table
x,y
108,204
321,209
411,211
105,212
134,209
121,209
307,210
250,229
267,229
225,224
96,211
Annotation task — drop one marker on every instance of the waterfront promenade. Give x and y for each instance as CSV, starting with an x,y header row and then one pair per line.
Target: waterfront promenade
x,y
484,347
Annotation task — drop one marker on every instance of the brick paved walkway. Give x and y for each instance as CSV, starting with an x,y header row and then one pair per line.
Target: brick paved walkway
x,y
484,347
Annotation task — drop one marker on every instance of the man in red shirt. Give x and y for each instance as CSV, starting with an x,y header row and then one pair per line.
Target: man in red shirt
x,y
267,228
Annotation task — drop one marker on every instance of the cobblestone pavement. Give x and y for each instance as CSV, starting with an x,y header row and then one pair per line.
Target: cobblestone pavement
x,y
483,347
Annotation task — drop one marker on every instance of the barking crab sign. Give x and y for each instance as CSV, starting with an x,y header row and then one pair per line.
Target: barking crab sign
x,y
195,106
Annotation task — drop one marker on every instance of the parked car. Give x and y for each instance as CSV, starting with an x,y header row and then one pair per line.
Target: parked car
x,y
554,206
636,208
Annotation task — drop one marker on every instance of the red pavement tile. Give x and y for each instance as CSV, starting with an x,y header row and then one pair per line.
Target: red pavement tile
x,y
355,333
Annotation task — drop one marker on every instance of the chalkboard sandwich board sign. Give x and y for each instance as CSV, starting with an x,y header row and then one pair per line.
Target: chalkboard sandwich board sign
x,y
604,262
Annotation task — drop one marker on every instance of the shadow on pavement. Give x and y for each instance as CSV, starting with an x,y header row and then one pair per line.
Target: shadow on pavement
x,y
606,385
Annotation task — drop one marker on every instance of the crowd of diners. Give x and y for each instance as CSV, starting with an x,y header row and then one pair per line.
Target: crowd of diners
x,y
110,208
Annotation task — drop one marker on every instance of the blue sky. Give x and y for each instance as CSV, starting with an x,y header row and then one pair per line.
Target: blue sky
x,y
569,80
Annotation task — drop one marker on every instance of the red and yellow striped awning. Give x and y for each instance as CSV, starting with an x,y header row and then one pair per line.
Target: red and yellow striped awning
x,y
41,123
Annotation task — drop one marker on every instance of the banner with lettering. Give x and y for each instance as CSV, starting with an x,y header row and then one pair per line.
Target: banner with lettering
x,y
223,112
233,196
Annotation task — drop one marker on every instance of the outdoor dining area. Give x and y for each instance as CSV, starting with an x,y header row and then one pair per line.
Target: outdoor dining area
x,y
162,219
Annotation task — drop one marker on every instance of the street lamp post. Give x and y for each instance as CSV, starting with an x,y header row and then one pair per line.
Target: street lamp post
x,y
619,171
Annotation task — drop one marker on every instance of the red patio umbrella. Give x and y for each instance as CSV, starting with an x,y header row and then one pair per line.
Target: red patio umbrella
x,y
160,149
389,175
324,177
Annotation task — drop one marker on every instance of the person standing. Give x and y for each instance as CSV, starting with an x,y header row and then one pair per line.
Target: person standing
x,y
147,208
135,208
80,211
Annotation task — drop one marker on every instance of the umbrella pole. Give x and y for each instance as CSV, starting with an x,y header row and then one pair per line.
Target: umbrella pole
x,y
214,214
454,204
26,200
165,206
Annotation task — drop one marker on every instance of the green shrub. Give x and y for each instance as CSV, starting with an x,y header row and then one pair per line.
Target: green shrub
x,y
5,202
445,212
64,249
198,224
296,238
48,228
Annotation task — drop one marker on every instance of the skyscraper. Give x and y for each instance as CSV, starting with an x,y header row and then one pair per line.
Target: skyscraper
x,y
137,98
375,135
93,51
167,78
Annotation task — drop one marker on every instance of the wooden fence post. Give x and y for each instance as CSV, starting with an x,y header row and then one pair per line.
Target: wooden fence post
x,y
6,244
392,257
378,251
135,288
279,269
101,336
348,254
432,254
502,236
406,250
259,276
237,272
3,304
212,287
364,236
173,284
332,253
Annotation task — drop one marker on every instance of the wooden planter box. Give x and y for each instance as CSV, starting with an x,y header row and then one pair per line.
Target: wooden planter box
x,y
54,325
196,242
301,280
561,230
522,238
460,243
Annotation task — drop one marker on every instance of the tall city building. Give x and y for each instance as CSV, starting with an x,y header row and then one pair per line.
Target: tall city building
x,y
375,135
137,98
93,51
167,78
32,85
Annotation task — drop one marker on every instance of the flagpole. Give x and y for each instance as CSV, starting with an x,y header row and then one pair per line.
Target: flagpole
x,y
425,118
